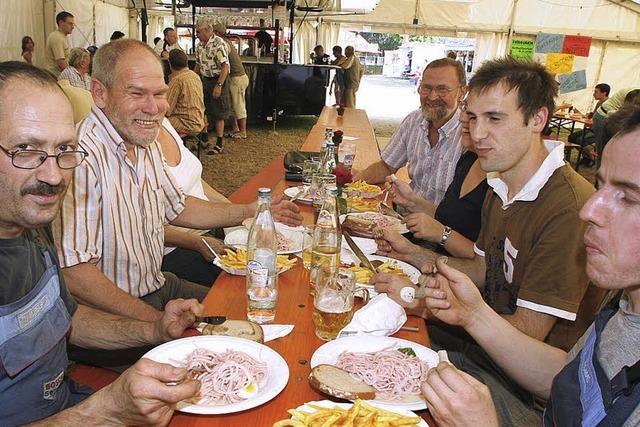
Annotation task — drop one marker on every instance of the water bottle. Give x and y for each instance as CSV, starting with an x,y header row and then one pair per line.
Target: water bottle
x,y
328,136
325,250
328,163
262,281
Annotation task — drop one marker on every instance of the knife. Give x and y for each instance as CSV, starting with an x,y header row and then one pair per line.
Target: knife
x,y
212,320
358,253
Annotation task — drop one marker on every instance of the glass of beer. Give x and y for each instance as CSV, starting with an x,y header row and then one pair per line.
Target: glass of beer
x,y
333,301
307,244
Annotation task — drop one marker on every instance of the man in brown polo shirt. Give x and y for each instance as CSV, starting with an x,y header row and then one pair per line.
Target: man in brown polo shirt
x,y
529,260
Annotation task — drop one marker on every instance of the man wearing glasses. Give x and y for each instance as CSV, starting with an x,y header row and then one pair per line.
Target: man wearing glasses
x,y
428,139
37,315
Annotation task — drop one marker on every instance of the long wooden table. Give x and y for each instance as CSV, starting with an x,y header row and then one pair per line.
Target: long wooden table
x,y
227,296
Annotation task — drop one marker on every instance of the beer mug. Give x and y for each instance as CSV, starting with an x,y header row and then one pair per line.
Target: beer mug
x,y
333,301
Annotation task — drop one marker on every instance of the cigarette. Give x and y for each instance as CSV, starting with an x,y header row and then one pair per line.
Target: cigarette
x,y
410,328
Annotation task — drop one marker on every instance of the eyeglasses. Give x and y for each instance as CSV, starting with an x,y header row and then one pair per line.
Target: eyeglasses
x,y
32,159
439,90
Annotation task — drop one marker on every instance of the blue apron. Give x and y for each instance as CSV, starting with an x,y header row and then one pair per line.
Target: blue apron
x,y
33,355
582,395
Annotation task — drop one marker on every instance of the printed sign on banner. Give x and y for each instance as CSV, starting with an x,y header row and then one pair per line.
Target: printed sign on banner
x,y
559,63
577,45
522,49
546,43
573,81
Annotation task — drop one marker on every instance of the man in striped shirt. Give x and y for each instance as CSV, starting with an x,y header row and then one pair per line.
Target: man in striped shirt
x,y
428,139
110,232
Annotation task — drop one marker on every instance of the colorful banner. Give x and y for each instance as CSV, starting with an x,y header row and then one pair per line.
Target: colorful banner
x,y
559,63
522,49
576,45
546,43
573,81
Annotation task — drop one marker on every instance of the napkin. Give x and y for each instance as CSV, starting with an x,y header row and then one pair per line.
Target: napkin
x,y
381,316
271,332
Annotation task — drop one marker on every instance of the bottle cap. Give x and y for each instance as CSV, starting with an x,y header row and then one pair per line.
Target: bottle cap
x,y
264,191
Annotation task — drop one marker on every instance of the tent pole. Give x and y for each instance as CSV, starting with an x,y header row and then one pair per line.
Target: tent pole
x,y
604,51
513,18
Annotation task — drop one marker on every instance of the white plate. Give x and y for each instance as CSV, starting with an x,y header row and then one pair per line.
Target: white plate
x,y
177,351
399,226
409,270
330,404
238,238
328,354
292,191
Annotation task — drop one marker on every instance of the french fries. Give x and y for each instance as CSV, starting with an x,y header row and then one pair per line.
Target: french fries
x,y
358,204
363,274
362,187
360,414
238,260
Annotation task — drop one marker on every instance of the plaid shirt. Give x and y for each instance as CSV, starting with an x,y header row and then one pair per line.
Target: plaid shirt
x,y
431,169
211,56
75,78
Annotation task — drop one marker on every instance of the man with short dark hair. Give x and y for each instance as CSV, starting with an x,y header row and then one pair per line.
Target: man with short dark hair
x,y
594,384
529,214
169,43
600,94
428,140
39,316
57,46
186,104
116,35
319,57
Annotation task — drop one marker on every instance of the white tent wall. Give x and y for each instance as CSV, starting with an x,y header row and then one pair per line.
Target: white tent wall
x,y
109,18
21,18
95,20
309,34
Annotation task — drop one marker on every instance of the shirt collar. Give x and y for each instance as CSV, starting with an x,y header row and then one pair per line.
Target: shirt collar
x,y
116,142
446,130
530,191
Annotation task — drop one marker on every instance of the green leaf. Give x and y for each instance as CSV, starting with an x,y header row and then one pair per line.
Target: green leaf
x,y
408,351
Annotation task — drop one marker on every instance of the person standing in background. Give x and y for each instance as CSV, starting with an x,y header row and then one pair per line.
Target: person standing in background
x,y
238,83
57,45
27,49
353,72
170,42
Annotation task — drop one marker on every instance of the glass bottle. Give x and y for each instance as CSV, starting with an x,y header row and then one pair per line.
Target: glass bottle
x,y
262,281
325,250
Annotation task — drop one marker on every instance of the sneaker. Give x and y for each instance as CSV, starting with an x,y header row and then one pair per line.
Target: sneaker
x,y
215,150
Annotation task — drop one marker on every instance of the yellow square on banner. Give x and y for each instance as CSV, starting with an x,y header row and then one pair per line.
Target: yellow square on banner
x,y
559,63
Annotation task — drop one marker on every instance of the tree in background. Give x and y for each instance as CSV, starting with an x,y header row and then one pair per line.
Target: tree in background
x,y
385,41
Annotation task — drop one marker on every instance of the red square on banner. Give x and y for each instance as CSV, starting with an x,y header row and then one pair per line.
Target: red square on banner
x,y
576,45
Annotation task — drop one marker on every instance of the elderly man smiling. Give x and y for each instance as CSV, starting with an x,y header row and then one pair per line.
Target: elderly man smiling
x,y
110,231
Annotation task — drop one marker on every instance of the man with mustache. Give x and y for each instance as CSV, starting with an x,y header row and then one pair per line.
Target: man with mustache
x,y
529,260
38,316
596,383
110,231
428,139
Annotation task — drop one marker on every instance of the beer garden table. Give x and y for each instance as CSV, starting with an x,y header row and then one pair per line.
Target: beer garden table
x,y
227,296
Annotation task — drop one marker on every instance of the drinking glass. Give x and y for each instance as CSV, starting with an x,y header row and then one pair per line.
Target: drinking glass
x,y
347,155
309,169
307,243
333,301
318,185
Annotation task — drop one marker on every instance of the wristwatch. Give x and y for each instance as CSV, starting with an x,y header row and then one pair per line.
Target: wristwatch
x,y
445,235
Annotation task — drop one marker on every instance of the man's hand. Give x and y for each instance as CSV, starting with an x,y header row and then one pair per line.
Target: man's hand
x,y
402,194
453,297
140,396
392,284
285,212
455,398
178,315
206,253
424,227
394,245
217,91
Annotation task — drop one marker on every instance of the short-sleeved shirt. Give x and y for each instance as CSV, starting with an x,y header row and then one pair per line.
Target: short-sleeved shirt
x,y
186,102
56,47
76,79
162,45
211,56
431,169
22,265
236,69
114,213
532,244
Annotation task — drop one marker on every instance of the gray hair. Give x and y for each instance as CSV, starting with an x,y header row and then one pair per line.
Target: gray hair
x,y
76,55
204,24
106,58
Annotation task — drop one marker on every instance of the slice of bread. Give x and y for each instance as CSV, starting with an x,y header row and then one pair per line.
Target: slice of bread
x,y
337,382
236,328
